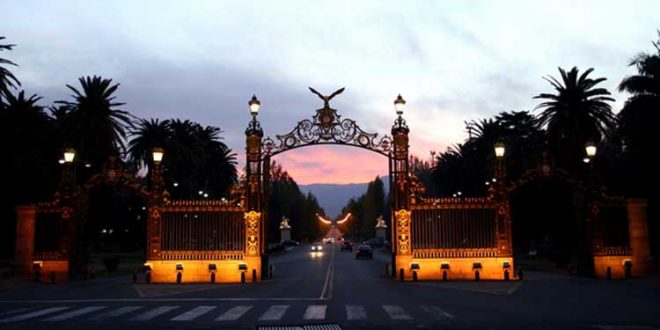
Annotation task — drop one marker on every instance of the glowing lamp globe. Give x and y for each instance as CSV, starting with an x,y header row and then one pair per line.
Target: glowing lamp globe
x,y
158,154
254,105
499,150
399,105
69,155
591,149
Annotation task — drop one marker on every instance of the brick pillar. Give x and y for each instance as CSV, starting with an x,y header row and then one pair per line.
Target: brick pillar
x,y
639,235
26,216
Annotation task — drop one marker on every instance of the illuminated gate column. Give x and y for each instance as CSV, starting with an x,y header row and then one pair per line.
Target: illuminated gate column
x,y
400,195
254,186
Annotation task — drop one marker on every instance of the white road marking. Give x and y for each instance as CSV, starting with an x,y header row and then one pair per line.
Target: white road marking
x,y
153,313
38,313
315,312
234,313
355,312
115,313
15,311
193,313
74,313
274,313
396,312
436,312
326,293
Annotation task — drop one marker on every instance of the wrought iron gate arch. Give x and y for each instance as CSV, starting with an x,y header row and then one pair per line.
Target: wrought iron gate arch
x,y
326,127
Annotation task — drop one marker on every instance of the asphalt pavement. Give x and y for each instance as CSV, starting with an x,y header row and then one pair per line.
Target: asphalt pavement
x,y
332,288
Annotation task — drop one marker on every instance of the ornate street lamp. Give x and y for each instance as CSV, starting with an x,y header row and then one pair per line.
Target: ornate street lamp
x,y
399,123
157,155
399,105
254,105
69,155
590,149
500,149
254,127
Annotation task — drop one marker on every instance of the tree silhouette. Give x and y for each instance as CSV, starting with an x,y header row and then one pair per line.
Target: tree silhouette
x,y
577,114
640,115
7,78
92,124
195,158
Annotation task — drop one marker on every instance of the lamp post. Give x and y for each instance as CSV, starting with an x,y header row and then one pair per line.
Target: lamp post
x,y
503,223
400,190
253,134
500,171
589,229
254,217
157,196
68,174
157,182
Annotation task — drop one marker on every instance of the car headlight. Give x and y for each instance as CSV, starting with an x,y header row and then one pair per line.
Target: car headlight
x,y
319,248
313,248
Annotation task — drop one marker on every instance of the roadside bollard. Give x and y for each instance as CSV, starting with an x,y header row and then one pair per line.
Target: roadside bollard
x,y
178,278
52,277
242,277
254,275
476,275
520,274
609,273
506,275
212,278
444,275
415,276
401,274
148,277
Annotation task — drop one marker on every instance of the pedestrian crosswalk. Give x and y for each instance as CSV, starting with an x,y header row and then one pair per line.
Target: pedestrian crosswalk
x,y
318,311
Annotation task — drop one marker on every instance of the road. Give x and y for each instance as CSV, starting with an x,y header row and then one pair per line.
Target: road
x,y
335,288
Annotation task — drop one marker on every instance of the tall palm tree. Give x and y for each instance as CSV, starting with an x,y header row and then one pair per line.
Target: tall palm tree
x,y
195,158
7,79
93,124
577,113
147,135
639,116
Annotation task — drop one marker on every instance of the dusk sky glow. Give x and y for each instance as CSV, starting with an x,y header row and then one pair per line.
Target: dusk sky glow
x,y
203,60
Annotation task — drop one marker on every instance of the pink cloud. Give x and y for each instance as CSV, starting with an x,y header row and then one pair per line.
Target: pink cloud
x,y
333,164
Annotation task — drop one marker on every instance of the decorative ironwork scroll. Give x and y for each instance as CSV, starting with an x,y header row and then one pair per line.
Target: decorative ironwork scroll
x,y
252,233
327,127
403,218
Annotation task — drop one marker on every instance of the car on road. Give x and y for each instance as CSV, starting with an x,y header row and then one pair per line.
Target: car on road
x,y
364,251
346,246
317,247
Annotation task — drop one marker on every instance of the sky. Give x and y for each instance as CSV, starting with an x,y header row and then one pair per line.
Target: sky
x,y
202,60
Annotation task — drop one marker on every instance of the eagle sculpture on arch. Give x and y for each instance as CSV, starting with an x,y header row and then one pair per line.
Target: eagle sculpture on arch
x,y
326,99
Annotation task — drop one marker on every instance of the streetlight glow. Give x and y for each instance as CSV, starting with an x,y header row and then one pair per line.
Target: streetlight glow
x,y
69,155
499,150
158,154
399,105
254,105
591,149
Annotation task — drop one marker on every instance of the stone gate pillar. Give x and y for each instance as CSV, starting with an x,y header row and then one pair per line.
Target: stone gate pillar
x,y
26,216
639,235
